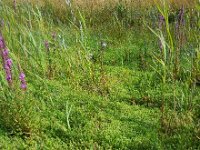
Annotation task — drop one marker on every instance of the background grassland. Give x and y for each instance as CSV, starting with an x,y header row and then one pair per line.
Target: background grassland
x,y
100,81
98,3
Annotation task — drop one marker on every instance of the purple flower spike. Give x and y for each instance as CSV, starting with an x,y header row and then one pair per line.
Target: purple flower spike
x,y
23,86
22,76
5,53
6,61
7,67
9,77
2,43
9,63
23,81
161,21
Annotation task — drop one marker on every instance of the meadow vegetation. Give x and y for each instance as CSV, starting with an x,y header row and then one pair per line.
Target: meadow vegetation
x,y
100,74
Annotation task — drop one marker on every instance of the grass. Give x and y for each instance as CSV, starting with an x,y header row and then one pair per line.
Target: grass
x,y
93,122
99,85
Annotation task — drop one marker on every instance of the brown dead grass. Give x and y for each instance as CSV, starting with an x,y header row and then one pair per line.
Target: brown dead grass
x,y
99,4
95,7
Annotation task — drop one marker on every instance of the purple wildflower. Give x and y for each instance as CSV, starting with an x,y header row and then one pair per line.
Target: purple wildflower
x,y
161,21
22,76
8,77
7,67
23,81
9,63
2,42
5,53
23,86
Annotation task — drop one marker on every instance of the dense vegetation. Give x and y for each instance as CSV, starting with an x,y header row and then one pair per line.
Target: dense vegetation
x,y
111,76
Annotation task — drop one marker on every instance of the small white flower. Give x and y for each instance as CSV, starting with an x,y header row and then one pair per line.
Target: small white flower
x,y
103,44
90,56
